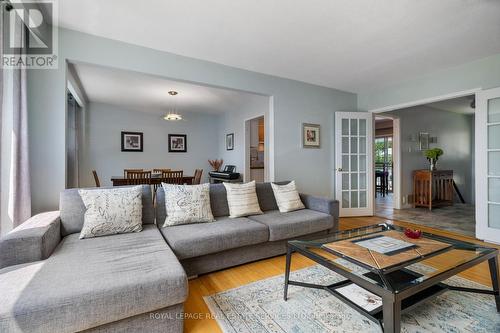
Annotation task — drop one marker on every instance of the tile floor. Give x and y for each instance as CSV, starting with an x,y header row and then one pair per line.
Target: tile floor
x,y
458,218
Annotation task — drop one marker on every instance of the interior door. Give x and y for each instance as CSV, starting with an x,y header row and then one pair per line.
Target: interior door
x,y
488,165
354,163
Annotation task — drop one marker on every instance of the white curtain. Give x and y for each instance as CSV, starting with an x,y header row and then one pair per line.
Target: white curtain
x,y
14,82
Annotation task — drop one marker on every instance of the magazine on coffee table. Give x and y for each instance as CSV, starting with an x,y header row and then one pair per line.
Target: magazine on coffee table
x,y
385,244
361,297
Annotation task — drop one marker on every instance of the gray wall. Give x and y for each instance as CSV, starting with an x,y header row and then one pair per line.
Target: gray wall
x,y
294,103
234,122
483,73
102,148
454,136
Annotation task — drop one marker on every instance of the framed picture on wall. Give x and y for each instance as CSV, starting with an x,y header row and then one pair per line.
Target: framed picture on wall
x,y
177,143
310,136
423,139
230,141
132,141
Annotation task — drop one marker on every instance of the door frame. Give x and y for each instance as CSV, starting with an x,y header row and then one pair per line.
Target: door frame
x,y
483,231
423,101
396,159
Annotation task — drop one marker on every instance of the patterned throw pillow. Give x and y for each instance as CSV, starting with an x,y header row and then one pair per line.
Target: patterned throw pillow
x,y
187,204
287,197
242,199
111,211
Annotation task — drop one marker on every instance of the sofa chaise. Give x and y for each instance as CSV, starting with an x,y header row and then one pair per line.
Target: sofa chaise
x,y
52,281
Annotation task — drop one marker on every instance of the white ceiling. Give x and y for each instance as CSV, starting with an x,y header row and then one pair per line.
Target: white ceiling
x,y
147,93
458,105
352,45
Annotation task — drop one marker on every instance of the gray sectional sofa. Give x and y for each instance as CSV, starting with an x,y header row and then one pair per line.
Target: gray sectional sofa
x,y
51,281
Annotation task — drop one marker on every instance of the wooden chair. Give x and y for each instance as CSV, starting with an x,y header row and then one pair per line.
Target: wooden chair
x,y
126,171
96,179
138,177
160,171
197,176
173,177
156,185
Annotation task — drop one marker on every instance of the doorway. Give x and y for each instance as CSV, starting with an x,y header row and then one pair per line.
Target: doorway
x,y
446,125
73,125
384,165
255,149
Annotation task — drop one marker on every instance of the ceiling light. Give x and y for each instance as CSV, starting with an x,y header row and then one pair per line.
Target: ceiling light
x,y
172,116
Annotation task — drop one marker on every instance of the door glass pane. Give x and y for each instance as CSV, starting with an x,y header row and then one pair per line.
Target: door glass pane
x,y
345,181
345,199
494,163
354,163
345,145
354,181
362,162
494,190
494,110
494,137
494,216
362,127
345,162
362,180
354,145
354,199
354,127
362,145
345,126
362,199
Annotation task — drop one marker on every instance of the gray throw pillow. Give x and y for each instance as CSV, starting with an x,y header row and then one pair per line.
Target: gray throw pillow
x,y
111,211
187,204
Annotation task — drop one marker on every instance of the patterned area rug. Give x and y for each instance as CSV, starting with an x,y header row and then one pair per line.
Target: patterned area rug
x,y
259,307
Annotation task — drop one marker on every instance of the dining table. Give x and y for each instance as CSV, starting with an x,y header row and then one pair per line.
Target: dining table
x,y
156,179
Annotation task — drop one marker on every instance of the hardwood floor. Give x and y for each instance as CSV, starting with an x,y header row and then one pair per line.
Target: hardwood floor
x,y
198,318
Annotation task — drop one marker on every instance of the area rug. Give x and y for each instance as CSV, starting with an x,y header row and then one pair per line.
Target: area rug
x,y
259,307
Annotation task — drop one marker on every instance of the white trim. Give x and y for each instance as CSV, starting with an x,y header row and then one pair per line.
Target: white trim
x,y
426,100
483,230
268,143
396,159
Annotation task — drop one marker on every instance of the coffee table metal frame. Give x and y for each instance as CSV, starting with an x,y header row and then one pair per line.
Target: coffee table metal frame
x,y
394,302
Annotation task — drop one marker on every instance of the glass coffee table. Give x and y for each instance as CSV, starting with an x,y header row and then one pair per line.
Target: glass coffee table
x,y
379,264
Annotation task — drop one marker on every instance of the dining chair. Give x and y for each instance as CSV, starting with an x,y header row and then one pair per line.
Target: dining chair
x,y
173,177
158,184
197,176
96,179
126,171
160,171
138,177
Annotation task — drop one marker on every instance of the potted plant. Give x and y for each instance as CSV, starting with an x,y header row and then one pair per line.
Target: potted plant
x,y
432,156
215,164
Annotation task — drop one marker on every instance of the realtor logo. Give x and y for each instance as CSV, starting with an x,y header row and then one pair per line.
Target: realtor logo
x,y
29,34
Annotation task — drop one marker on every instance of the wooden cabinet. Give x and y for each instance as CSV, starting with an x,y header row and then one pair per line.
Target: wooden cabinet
x,y
432,188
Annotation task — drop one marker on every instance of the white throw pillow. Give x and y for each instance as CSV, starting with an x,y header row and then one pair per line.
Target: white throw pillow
x,y
287,197
111,211
242,199
187,204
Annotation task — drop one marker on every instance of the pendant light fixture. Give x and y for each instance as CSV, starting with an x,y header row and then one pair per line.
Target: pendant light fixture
x,y
173,115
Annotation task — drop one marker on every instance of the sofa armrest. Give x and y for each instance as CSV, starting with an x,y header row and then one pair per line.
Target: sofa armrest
x,y
324,205
33,240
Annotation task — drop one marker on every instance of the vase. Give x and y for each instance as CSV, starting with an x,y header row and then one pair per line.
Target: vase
x,y
432,164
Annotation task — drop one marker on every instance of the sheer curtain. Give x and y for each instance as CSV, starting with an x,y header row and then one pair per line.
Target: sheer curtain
x,y
14,107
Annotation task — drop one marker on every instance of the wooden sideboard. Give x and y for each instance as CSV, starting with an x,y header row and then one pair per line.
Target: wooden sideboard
x,y
432,188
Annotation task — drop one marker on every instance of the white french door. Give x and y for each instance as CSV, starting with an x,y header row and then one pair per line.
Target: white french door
x,y
488,165
354,163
